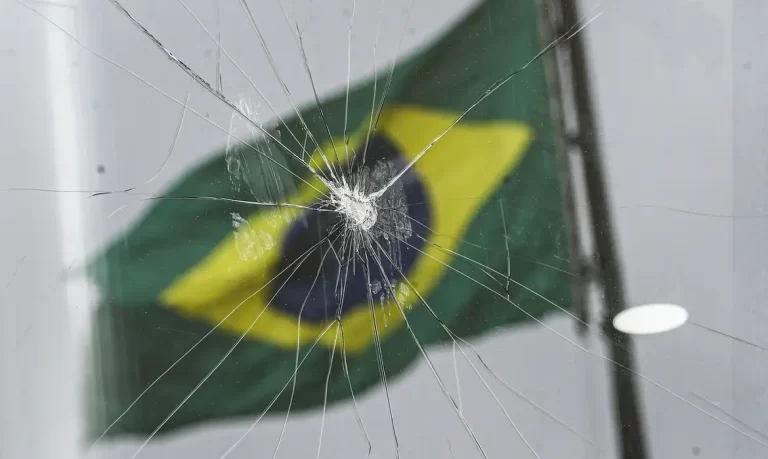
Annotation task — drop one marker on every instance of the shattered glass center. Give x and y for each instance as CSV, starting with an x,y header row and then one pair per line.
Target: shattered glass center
x,y
395,223
358,209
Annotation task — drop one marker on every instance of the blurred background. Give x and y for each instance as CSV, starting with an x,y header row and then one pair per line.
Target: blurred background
x,y
680,92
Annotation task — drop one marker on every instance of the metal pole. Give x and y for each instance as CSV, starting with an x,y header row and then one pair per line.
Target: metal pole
x,y
579,265
608,267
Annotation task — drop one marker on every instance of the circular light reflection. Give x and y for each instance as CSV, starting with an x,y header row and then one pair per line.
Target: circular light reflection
x,y
649,319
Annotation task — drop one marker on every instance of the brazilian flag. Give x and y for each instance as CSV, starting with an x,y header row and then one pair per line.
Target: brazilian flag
x,y
206,279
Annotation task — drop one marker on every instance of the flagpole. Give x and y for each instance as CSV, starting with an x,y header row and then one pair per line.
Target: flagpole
x,y
606,264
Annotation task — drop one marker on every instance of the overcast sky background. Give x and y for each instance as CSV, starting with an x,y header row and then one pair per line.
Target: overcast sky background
x,y
682,96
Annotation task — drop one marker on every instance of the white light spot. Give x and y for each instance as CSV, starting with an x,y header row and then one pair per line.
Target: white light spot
x,y
649,319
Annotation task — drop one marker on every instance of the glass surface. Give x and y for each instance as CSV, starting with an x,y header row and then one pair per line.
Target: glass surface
x,y
168,218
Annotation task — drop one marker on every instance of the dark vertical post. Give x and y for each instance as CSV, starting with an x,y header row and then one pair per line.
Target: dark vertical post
x,y
608,266
578,263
